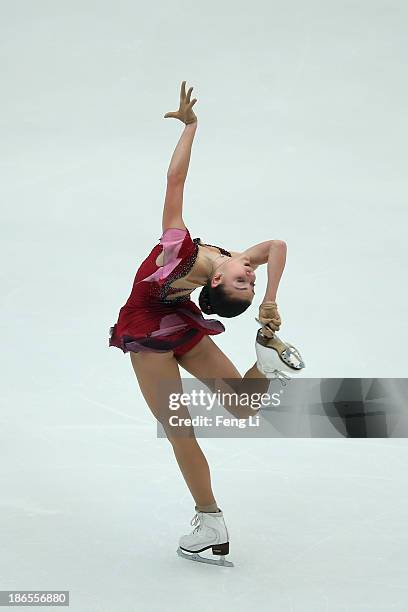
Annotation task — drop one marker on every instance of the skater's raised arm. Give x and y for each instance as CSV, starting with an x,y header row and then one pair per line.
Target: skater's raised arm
x,y
176,176
180,159
179,163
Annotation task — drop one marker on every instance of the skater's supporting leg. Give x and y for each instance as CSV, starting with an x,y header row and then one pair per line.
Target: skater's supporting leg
x,y
211,508
150,370
195,469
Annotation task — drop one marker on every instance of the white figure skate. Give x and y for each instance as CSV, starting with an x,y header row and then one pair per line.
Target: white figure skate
x,y
277,359
209,531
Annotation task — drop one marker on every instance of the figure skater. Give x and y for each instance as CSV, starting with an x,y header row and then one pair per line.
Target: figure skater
x,y
162,329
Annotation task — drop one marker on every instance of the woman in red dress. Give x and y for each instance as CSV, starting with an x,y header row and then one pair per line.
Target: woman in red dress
x,y
162,328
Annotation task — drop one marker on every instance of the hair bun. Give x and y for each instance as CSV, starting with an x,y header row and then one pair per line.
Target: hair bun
x,y
204,301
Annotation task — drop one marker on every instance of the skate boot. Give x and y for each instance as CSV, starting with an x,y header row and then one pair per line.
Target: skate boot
x,y
277,359
209,531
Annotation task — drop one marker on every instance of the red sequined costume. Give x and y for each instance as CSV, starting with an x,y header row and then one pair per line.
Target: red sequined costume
x,y
149,321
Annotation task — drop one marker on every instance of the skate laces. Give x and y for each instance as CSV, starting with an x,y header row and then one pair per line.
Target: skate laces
x,y
279,374
195,522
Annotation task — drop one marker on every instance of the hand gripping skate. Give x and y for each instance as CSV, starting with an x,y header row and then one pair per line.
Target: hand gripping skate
x,y
269,318
275,358
209,531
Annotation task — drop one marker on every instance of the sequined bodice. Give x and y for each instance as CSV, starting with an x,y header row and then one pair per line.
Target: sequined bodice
x,y
182,271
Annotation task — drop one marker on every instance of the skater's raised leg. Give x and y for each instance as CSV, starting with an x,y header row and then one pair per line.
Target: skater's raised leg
x,y
209,364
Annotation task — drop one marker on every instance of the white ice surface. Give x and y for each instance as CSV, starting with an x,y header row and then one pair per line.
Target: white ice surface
x,y
302,137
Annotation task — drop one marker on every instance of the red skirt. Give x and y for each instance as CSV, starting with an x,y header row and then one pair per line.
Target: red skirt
x,y
159,328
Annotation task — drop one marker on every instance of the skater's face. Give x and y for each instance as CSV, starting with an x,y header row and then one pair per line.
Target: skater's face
x,y
237,277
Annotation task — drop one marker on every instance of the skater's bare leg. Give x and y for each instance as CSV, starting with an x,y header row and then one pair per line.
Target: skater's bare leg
x,y
150,370
207,361
195,469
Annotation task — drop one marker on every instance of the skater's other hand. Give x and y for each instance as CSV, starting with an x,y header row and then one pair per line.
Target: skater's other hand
x,y
269,318
185,112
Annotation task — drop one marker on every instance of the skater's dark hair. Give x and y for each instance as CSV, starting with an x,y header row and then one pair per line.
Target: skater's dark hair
x,y
215,300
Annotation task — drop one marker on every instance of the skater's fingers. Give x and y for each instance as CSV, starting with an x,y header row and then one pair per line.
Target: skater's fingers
x,y
189,94
192,103
273,326
265,320
183,91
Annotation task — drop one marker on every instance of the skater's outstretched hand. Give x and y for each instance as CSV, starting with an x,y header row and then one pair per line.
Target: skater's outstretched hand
x,y
269,318
185,112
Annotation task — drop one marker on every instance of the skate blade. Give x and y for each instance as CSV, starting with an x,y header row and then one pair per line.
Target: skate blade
x,y
196,557
286,352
